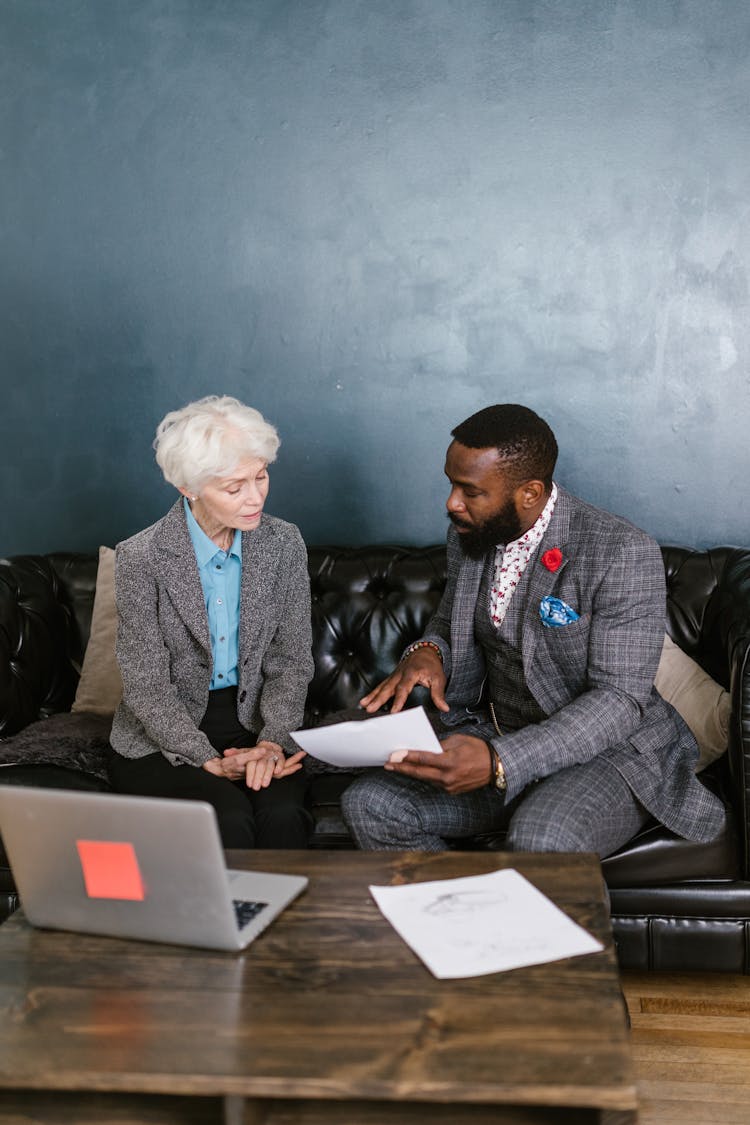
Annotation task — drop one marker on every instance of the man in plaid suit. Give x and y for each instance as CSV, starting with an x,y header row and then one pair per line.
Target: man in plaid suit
x,y
540,662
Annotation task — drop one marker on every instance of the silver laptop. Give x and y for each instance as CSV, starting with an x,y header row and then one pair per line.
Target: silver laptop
x,y
134,867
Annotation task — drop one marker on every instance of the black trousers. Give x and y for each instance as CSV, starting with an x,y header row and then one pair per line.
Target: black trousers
x,y
275,817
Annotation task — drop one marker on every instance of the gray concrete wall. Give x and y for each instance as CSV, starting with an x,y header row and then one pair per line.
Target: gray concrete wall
x,y
369,218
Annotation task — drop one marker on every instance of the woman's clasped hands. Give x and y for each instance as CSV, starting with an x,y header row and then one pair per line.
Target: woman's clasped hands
x,y
258,765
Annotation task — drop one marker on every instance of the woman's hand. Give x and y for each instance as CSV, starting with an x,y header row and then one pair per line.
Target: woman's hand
x,y
233,764
258,765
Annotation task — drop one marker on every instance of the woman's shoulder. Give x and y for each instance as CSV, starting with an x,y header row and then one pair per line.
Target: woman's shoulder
x,y
280,529
140,544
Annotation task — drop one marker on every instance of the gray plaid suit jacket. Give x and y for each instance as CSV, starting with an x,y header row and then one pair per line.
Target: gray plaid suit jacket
x,y
164,648
592,678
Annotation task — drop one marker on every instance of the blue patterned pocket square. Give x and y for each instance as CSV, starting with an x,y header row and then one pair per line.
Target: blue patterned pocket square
x,y
555,613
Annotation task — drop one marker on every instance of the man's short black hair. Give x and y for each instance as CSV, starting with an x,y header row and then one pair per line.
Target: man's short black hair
x,y
523,440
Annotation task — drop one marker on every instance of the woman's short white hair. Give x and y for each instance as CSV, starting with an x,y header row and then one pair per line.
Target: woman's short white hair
x,y
210,438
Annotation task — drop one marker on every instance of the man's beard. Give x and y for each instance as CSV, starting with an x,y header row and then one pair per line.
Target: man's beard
x,y
501,528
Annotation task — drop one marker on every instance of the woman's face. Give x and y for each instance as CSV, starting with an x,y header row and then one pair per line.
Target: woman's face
x,y
233,501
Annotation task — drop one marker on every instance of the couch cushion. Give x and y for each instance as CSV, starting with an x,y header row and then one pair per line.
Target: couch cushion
x,y
100,687
74,742
702,703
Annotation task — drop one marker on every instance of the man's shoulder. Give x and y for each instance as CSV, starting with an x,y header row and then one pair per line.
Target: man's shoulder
x,y
587,521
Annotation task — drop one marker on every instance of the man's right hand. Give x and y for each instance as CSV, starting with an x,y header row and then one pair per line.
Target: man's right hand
x,y
421,667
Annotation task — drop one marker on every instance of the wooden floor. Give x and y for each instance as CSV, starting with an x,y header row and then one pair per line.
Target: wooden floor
x,y
691,1047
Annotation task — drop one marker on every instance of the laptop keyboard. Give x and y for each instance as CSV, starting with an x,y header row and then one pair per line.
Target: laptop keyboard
x,y
245,911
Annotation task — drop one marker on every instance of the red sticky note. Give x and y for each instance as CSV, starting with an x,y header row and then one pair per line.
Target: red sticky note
x,y
110,870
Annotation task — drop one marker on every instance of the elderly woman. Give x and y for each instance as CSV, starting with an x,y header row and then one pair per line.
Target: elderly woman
x,y
214,636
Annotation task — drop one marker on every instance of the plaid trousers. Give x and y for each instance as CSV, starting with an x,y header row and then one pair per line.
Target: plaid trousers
x,y
585,808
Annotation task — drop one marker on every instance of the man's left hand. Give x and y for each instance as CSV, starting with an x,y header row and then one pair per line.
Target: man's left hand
x,y
463,766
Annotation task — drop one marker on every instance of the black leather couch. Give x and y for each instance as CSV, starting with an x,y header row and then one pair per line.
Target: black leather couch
x,y
675,905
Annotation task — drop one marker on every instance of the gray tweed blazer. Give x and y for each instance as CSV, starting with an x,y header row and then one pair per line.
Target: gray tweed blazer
x,y
164,648
593,678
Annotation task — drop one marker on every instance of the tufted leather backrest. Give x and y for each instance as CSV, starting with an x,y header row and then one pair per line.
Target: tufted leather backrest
x,y
706,593
368,604
38,648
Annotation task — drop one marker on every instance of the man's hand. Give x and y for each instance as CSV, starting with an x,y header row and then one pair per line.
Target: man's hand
x,y
463,766
422,667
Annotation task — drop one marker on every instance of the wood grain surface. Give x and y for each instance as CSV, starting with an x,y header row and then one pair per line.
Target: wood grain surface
x,y
691,1047
329,1004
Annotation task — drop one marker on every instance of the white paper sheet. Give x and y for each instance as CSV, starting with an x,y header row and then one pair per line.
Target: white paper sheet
x,y
369,742
481,924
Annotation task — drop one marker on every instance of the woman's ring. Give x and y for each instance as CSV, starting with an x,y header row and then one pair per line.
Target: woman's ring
x,y
275,757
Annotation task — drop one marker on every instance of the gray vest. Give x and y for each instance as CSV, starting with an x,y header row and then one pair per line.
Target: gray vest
x,y
505,686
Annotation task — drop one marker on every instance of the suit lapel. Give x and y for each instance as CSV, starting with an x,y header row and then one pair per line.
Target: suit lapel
x,y
172,549
467,592
542,581
257,589
467,661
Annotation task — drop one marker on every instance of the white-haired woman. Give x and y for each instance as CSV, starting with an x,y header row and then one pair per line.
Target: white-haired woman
x,y
214,636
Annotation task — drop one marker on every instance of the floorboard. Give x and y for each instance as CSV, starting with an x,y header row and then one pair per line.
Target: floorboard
x,y
691,1047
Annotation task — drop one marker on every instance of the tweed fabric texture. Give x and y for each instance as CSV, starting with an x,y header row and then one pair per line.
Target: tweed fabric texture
x,y
164,648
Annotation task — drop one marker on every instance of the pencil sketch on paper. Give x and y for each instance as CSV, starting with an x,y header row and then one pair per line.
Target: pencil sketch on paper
x,y
481,924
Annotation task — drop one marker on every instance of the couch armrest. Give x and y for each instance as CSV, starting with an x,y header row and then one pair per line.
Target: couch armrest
x,y
734,620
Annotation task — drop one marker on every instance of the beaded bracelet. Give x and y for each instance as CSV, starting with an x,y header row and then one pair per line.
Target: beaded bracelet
x,y
422,644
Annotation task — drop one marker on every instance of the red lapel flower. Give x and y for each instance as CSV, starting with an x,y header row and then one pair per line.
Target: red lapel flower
x,y
552,559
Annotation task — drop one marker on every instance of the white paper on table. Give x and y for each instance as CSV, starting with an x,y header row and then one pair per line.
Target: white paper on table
x,y
369,742
481,924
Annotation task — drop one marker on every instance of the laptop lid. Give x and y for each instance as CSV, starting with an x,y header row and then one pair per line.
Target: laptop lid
x,y
136,867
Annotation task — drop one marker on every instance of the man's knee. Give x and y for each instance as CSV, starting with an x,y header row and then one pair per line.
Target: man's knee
x,y
363,800
527,833
379,812
380,794
352,795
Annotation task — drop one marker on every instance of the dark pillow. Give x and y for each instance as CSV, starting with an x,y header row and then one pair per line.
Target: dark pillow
x,y
76,741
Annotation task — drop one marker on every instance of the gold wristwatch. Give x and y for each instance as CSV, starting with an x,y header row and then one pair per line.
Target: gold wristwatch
x,y
499,779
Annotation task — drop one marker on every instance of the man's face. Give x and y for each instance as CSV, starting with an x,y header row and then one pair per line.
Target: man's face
x,y
482,504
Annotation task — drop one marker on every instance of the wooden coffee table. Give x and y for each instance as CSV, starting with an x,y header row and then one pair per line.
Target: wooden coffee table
x,y
327,1018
